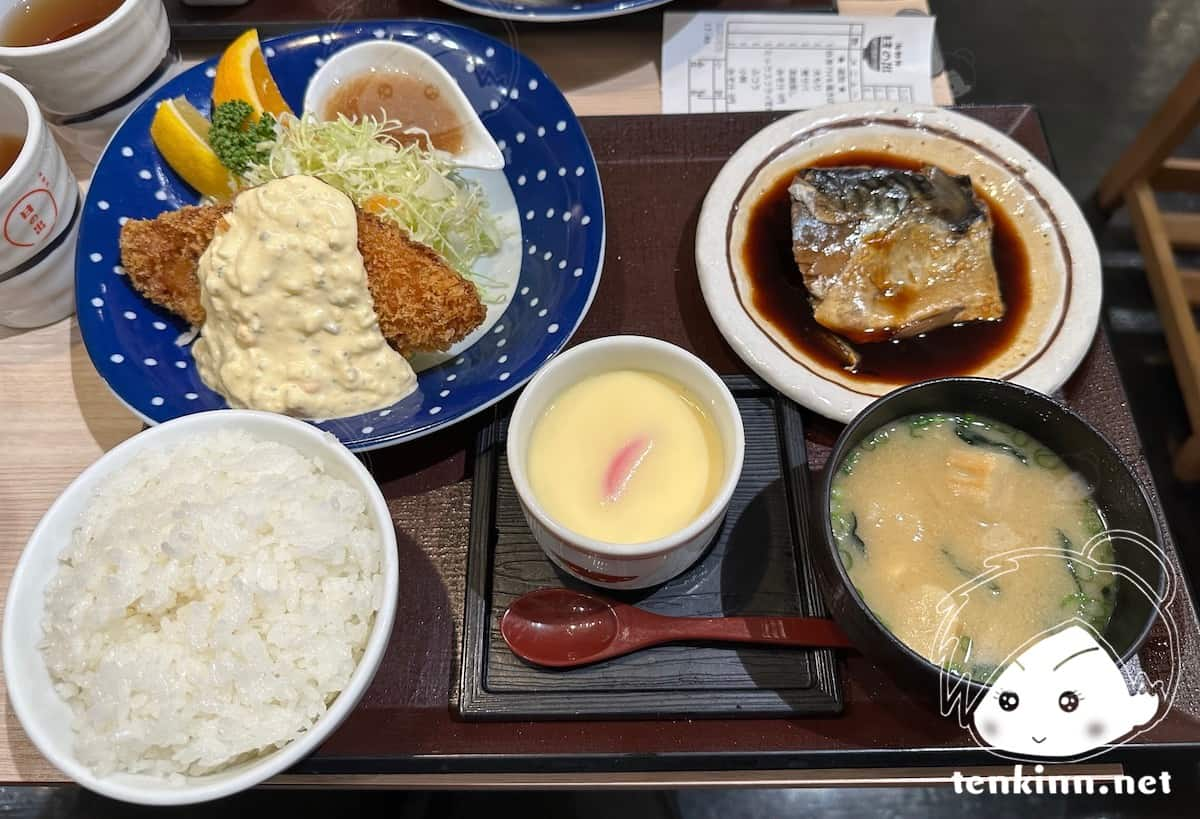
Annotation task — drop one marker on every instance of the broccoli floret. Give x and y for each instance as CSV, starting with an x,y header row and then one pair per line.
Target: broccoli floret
x,y
236,139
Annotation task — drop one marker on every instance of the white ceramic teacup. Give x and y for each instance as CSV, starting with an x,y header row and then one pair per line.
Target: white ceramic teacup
x,y
88,82
39,218
614,565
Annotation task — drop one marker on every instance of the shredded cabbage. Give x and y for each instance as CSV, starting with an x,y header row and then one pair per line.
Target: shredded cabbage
x,y
419,189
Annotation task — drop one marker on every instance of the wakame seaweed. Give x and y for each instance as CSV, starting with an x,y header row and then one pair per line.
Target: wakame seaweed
x,y
992,585
1095,610
970,436
845,529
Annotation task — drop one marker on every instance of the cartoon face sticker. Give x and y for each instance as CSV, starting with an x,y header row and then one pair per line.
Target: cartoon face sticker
x,y
1061,697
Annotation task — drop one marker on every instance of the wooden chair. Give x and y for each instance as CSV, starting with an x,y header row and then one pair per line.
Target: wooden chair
x,y
1145,167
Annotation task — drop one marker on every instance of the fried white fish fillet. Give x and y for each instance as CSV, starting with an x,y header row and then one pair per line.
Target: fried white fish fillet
x,y
423,305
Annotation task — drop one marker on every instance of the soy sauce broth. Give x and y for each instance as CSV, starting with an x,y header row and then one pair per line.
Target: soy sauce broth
x,y
413,100
780,297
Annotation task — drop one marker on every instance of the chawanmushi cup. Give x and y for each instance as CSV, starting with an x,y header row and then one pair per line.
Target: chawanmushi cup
x,y
626,565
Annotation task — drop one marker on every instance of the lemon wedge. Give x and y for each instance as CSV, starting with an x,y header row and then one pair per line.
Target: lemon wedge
x,y
180,133
242,74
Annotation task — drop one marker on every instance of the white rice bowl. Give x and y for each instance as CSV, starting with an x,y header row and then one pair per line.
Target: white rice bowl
x,y
213,596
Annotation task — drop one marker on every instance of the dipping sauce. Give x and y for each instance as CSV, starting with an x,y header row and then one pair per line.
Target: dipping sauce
x,y
38,22
625,457
984,489
290,326
413,100
780,297
10,148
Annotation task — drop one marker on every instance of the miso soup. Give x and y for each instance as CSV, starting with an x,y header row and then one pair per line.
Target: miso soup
x,y
920,505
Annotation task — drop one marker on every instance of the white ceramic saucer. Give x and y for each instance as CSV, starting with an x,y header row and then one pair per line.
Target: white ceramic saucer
x,y
1056,329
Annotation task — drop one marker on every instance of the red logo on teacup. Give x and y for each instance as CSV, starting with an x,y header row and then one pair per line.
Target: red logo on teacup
x,y
31,219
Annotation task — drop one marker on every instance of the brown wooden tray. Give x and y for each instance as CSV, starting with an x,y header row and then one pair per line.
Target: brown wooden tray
x,y
756,565
655,172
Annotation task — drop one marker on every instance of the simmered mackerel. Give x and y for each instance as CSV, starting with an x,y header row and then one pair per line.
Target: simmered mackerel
x,y
891,253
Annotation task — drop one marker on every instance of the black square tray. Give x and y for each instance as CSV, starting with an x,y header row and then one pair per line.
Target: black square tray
x,y
756,565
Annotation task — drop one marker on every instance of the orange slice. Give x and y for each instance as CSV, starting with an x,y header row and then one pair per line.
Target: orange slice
x,y
242,74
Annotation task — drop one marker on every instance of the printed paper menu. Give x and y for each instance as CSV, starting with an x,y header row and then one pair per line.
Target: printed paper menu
x,y
714,62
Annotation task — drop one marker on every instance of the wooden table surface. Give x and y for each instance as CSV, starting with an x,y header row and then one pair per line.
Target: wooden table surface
x,y
57,416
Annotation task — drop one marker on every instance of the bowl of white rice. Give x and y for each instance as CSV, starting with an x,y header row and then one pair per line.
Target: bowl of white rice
x,y
201,607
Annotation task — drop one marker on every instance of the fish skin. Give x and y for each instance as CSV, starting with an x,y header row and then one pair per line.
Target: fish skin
x,y
892,253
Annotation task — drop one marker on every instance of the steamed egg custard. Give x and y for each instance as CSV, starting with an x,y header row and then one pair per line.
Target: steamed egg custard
x,y
290,325
921,504
625,457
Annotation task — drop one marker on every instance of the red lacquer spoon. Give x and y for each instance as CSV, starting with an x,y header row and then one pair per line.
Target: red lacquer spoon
x,y
561,628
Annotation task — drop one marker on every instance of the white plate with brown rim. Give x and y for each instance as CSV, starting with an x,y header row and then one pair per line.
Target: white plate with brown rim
x,y
1046,258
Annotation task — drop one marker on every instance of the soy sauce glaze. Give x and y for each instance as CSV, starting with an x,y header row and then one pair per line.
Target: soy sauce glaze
x,y
780,297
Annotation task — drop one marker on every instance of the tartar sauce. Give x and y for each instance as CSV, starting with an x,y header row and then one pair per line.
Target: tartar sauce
x,y
290,326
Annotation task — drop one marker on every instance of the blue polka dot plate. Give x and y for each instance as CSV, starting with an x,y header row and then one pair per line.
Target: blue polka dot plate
x,y
555,11
547,200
